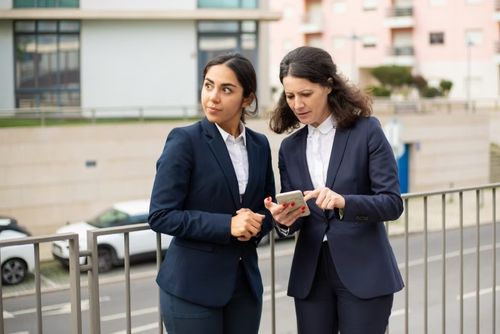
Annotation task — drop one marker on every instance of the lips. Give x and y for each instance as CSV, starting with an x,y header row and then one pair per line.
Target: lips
x,y
212,110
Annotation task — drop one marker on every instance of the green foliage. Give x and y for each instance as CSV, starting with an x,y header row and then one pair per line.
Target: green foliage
x,y
393,76
379,91
445,87
419,82
430,92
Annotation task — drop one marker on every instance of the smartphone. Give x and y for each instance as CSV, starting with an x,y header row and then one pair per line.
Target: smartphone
x,y
293,196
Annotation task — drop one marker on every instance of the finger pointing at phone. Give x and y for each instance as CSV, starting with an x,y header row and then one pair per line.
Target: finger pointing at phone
x,y
326,198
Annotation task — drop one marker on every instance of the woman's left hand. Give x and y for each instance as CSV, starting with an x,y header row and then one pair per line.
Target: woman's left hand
x,y
326,198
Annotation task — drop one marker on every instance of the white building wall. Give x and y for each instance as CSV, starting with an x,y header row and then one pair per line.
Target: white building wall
x,y
6,65
140,5
5,4
484,77
138,63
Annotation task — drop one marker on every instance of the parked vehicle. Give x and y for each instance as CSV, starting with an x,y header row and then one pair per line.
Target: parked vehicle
x,y
111,247
17,261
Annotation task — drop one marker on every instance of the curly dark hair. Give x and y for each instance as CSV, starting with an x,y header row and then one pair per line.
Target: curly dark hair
x,y
245,73
347,102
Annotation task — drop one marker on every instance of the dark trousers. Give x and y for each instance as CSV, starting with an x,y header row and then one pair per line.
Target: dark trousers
x,y
240,316
331,308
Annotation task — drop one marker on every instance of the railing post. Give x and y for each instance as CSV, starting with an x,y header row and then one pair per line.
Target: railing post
x,y
93,282
273,282
74,275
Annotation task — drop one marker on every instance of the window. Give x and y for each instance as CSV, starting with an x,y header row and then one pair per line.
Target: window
x,y
370,4
227,3
369,41
436,38
47,63
46,3
219,37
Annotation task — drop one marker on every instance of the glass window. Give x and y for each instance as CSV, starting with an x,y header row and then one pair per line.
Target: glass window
x,y
227,4
436,38
46,3
215,38
47,64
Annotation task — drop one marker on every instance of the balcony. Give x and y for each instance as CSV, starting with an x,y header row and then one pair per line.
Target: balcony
x,y
399,17
400,55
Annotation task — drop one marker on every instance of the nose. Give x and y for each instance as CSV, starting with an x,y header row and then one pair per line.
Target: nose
x,y
298,103
214,95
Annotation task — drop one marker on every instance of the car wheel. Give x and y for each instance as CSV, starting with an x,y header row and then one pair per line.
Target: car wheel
x,y
14,271
106,259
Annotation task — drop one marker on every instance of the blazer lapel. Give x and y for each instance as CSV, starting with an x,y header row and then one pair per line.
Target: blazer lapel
x,y
338,149
254,161
221,154
302,159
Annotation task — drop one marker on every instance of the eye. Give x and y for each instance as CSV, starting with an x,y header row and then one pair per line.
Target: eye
x,y
227,90
289,97
208,85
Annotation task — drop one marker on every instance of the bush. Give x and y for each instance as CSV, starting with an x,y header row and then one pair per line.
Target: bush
x,y
379,91
445,87
392,76
430,92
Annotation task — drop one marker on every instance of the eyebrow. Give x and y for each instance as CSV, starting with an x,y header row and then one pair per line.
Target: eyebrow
x,y
307,90
223,84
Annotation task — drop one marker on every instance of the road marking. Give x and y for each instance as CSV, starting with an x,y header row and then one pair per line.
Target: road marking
x,y
48,281
279,294
449,255
398,313
140,329
57,309
7,315
481,292
122,315
268,288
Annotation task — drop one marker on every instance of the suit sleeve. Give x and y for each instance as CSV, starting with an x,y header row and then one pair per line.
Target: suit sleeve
x,y
170,190
286,186
384,203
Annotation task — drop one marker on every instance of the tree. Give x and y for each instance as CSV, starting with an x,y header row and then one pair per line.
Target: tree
x,y
445,87
393,76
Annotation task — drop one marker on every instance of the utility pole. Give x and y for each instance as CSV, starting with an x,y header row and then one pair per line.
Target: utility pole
x,y
469,45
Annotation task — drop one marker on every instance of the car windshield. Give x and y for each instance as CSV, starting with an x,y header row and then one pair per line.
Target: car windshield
x,y
108,218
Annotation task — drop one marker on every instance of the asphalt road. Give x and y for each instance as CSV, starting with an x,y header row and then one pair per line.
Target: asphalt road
x,y
20,316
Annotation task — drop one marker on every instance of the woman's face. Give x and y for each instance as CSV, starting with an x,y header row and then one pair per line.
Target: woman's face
x,y
307,100
222,98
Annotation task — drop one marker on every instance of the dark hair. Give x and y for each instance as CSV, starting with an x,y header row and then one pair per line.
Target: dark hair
x,y
245,73
346,102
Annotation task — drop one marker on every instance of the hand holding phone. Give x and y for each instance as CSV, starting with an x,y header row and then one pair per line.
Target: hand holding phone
x,y
295,196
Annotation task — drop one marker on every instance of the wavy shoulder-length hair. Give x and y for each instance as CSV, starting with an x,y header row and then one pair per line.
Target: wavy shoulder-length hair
x,y
346,102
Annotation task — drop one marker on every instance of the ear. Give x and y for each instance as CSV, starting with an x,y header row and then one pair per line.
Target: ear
x,y
247,101
330,87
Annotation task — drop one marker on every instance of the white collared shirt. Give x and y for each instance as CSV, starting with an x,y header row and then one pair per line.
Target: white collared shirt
x,y
318,151
239,155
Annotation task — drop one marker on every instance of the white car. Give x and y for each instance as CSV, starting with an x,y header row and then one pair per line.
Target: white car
x,y
111,247
17,261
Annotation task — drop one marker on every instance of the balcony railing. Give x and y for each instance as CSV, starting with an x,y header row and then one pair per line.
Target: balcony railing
x,y
446,241
400,11
401,51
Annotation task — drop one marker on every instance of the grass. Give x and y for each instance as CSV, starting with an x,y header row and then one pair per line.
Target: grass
x,y
36,122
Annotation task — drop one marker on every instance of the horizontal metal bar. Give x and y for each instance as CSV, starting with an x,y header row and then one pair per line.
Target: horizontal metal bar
x,y
40,239
451,191
119,229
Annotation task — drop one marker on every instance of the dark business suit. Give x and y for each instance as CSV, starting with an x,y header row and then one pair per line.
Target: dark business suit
x,y
363,170
194,197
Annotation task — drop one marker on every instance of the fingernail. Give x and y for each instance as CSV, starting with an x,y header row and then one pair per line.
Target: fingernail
x,y
303,208
285,205
268,198
292,204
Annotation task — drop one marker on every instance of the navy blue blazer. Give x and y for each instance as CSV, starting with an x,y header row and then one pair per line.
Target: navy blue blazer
x,y
362,168
194,197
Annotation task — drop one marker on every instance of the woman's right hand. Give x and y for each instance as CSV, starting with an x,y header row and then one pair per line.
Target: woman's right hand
x,y
284,214
246,224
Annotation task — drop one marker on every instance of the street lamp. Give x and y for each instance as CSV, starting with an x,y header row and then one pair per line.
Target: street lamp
x,y
353,38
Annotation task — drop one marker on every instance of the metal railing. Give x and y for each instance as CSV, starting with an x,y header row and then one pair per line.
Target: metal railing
x,y
74,273
448,212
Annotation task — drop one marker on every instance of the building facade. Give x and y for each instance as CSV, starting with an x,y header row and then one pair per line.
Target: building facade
x,y
455,40
94,53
